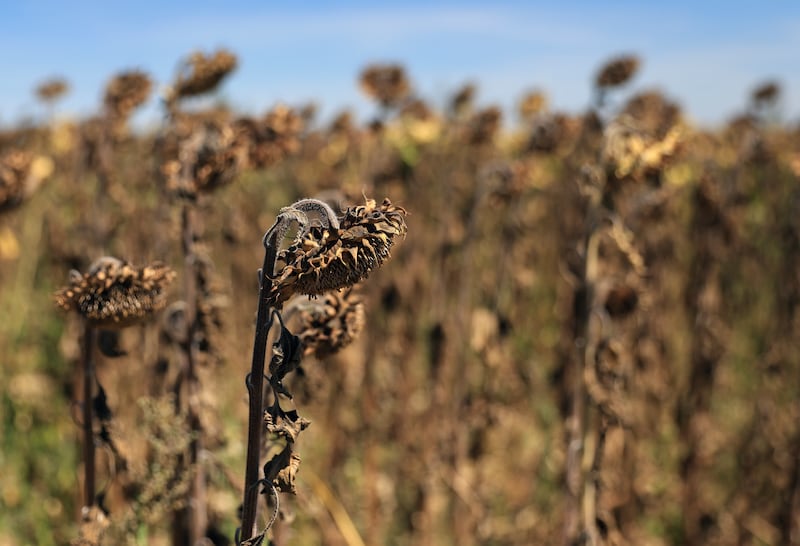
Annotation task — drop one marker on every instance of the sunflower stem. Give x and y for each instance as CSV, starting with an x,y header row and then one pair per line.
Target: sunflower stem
x,y
255,389
88,416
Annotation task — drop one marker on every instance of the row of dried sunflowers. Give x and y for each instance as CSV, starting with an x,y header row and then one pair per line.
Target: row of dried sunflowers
x,y
322,260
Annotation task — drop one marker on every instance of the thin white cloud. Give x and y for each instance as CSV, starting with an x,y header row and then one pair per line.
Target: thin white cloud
x,y
371,26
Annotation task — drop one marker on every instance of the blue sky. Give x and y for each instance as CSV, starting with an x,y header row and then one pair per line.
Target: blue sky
x,y
707,55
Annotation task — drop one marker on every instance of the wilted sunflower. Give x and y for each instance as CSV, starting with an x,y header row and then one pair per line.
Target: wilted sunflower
x,y
766,93
387,83
330,323
200,73
52,90
126,92
653,112
461,102
331,257
21,173
532,104
271,138
551,132
202,157
484,126
114,293
617,71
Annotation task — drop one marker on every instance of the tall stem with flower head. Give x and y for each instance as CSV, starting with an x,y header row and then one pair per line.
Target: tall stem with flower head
x,y
328,253
112,294
255,389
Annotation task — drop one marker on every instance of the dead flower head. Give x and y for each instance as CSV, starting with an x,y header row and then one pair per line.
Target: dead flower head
x,y
462,101
532,104
202,157
52,90
21,173
126,92
653,112
766,93
617,71
202,73
330,323
271,138
484,126
387,83
114,293
336,254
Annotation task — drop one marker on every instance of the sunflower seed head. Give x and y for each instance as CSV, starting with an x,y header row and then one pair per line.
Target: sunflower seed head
x,y
114,293
330,258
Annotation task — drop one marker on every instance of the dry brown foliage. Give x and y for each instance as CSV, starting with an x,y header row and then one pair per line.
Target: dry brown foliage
x,y
587,337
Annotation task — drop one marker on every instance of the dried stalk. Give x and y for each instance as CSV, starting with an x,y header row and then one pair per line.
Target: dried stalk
x,y
255,387
196,509
89,336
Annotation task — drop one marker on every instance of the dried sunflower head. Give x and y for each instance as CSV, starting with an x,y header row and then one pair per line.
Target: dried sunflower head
x,y
21,173
387,84
201,158
337,255
330,323
766,93
462,101
271,138
653,112
532,104
52,90
202,73
484,126
126,92
114,293
551,132
617,71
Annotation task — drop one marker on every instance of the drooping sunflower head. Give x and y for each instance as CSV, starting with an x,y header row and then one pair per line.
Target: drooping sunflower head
x,y
330,323
386,83
617,71
114,293
338,255
126,92
202,73
51,90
